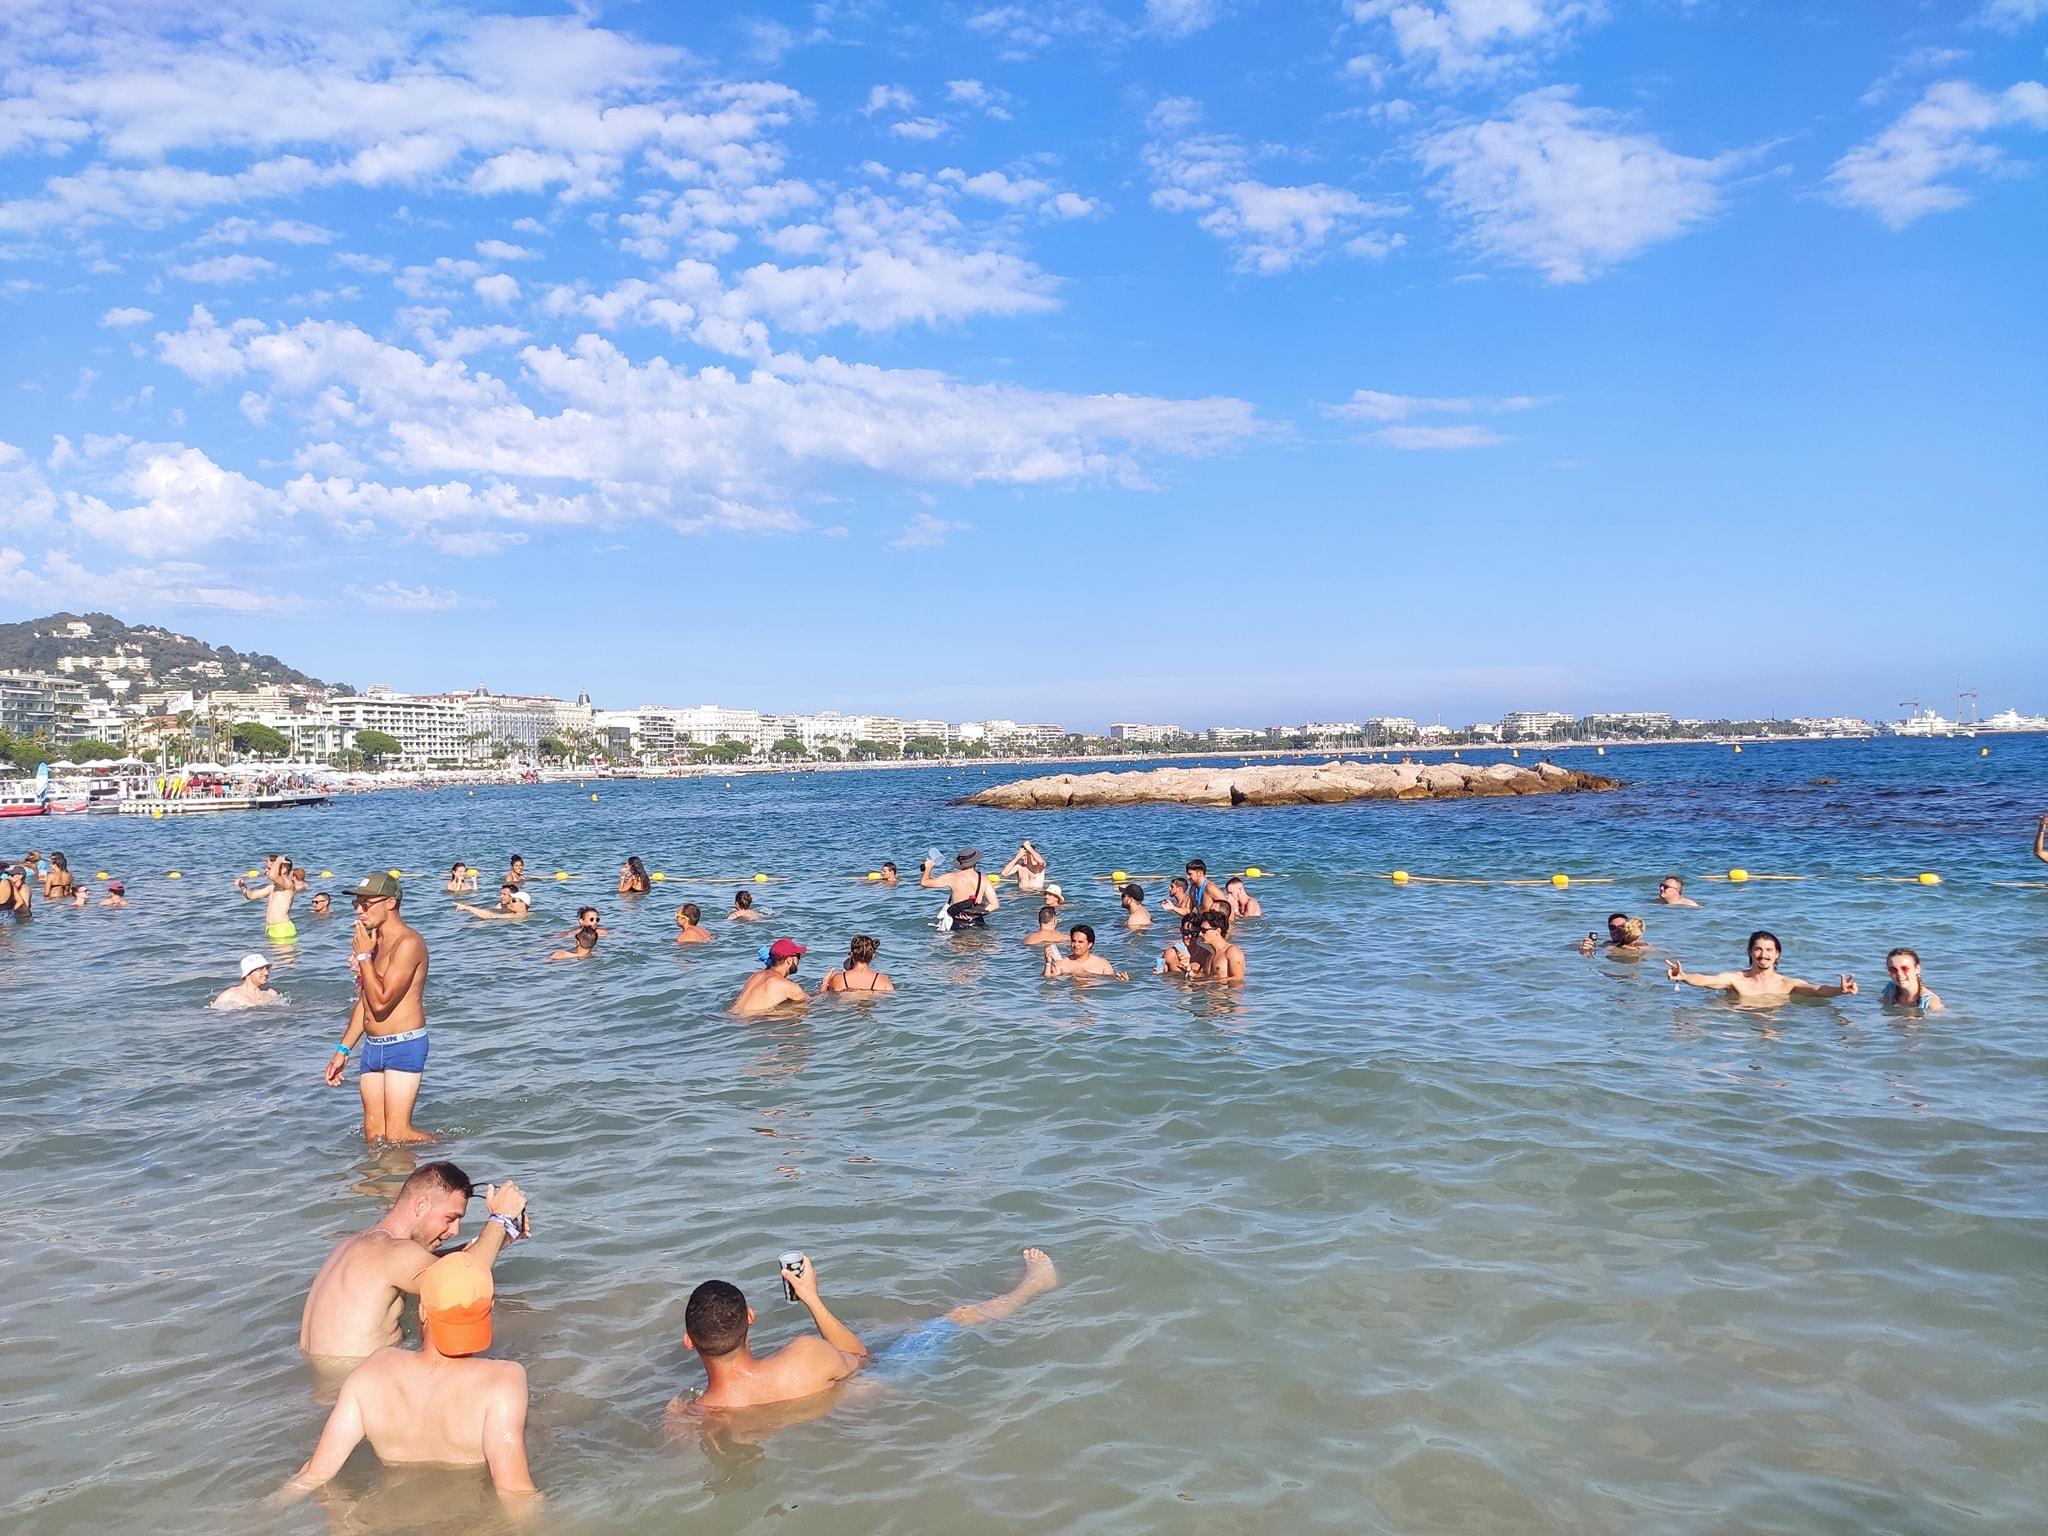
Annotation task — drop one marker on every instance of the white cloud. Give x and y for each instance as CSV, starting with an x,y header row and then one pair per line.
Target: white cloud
x,y
125,315
1468,435
2011,15
185,501
225,269
920,128
1270,228
422,599
970,93
64,583
503,250
1467,41
26,499
926,532
1901,174
498,289
1377,405
1558,187
240,231
1181,18
889,98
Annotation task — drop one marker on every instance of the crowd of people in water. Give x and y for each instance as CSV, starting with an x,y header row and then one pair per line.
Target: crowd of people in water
x,y
446,1402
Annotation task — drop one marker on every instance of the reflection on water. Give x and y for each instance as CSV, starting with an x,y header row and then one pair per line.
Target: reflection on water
x,y
1432,1225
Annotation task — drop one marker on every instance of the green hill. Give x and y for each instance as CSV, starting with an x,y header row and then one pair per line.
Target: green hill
x,y
175,660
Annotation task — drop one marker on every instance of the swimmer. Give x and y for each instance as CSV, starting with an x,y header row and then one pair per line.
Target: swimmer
x,y
743,908
1028,866
859,973
1907,988
1132,895
1200,895
1176,900
18,893
1624,936
2041,841
888,873
586,918
585,946
1225,960
298,881
717,1320
971,899
1188,956
633,878
1762,982
353,1308
323,904
1054,896
276,894
1080,958
253,990
117,894
775,983
1671,893
1048,929
689,925
1238,900
515,873
435,1404
461,879
57,880
389,1018
513,906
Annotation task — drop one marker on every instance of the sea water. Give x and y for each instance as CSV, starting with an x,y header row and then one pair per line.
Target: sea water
x,y
1434,1225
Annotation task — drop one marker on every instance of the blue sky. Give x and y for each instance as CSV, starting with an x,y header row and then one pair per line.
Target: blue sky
x,y
1205,360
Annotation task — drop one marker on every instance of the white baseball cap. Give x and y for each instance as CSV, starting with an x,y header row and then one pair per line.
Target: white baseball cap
x,y
254,963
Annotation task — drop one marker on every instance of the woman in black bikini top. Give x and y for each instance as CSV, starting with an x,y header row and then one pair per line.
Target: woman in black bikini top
x,y
859,973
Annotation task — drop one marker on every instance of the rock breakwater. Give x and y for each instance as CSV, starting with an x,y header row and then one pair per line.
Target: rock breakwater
x,y
1289,784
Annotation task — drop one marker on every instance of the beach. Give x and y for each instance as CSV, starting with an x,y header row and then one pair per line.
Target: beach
x,y
1434,1225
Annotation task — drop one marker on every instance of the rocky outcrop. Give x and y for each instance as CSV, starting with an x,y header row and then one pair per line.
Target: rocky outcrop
x,y
1286,784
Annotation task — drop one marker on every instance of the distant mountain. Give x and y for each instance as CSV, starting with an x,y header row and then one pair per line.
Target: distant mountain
x,y
173,660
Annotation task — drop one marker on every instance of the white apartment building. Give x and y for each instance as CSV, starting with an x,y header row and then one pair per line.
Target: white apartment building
x,y
37,704
1533,724
520,719
1483,730
431,729
1638,720
1232,735
1390,727
1132,731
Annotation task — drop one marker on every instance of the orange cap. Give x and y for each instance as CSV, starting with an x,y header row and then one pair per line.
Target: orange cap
x,y
455,1305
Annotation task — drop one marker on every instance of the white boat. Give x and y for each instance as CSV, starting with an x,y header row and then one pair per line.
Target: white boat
x,y
2013,720
1923,723
26,797
203,788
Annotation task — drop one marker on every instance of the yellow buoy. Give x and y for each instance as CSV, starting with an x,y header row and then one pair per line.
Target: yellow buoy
x,y
1983,751
395,874
561,874
326,874
1738,749
1253,872
657,875
101,875
1514,754
760,879
172,874
472,794
1738,875
593,794
1601,750
1119,876
874,874
1930,878
1400,877
1560,881
249,874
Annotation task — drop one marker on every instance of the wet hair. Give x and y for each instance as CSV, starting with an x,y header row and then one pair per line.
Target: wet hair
x,y
1189,922
638,868
323,896
862,950
1178,882
1133,890
586,938
438,1178
1047,913
1197,867
1911,954
1082,931
1216,918
1670,880
716,1318
57,861
1632,930
743,898
1233,880
580,911
1616,917
888,864
690,912
1763,933
457,867
518,858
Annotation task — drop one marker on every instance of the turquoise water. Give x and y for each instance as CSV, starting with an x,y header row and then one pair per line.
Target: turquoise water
x,y
1435,1226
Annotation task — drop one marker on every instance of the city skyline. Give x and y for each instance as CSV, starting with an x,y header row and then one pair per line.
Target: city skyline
x,y
1120,359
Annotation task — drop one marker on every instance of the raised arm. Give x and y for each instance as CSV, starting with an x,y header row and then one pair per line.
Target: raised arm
x,y
344,1432
833,1331
384,984
1718,979
924,878
1846,987
255,892
2041,841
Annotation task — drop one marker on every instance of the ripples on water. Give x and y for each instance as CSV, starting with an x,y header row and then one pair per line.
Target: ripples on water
x,y
1436,1227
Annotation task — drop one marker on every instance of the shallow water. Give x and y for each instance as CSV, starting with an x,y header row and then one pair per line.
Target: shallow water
x,y
1436,1226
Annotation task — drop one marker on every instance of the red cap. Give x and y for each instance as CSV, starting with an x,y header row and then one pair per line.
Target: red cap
x,y
785,949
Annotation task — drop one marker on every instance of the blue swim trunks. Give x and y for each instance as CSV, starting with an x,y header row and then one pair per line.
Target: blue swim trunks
x,y
405,1052
922,1346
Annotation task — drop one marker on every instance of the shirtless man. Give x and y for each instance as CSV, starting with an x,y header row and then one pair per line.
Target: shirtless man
x,y
585,945
743,908
690,927
717,1320
1225,961
253,991
1188,956
1238,900
117,895
323,904
1907,988
513,906
276,894
435,1404
1176,900
1080,959
389,1017
970,898
1671,893
2041,841
1132,895
1762,982
1048,929
353,1308
1028,866
1201,894
888,873
1624,936
774,984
